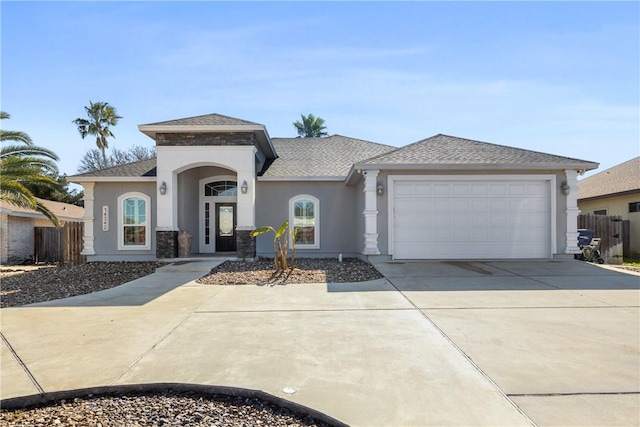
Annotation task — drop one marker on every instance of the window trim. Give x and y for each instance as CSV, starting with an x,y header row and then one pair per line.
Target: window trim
x,y
316,211
147,225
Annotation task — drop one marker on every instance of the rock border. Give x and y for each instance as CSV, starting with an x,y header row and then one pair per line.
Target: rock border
x,y
48,398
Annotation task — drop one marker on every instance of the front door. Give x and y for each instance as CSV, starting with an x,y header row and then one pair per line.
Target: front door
x,y
225,227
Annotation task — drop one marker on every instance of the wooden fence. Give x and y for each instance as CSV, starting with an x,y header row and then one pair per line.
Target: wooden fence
x,y
612,231
59,244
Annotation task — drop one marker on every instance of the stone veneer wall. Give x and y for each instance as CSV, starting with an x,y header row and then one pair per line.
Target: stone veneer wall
x,y
245,244
166,244
199,139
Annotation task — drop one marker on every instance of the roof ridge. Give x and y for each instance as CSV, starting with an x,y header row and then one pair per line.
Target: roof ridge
x,y
201,116
363,140
401,148
508,146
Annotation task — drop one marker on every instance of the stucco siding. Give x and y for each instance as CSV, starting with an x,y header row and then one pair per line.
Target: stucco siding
x,y
338,223
106,242
618,205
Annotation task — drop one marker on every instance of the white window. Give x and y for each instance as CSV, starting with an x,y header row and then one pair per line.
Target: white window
x,y
304,217
134,221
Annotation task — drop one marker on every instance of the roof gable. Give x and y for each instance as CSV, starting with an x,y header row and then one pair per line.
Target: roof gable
x,y
445,150
622,178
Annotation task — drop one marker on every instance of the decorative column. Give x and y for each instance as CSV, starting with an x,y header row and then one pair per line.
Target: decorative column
x,y
166,213
87,236
571,246
370,213
246,205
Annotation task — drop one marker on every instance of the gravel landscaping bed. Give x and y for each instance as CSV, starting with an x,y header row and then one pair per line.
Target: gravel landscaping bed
x,y
158,409
27,285
307,270
627,268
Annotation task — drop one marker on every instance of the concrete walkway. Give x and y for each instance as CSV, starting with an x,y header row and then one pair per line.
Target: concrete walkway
x,y
435,344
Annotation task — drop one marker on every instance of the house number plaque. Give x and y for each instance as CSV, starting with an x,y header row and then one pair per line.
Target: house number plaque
x,y
105,218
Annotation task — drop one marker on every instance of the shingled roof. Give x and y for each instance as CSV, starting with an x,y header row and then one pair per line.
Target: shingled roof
x,y
621,179
143,168
64,211
204,120
445,150
332,156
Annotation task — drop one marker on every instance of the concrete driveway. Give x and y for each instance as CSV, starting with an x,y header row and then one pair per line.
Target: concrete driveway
x,y
560,339
436,343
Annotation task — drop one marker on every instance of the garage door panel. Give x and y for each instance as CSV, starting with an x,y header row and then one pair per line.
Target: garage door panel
x,y
460,189
497,189
517,190
471,219
498,205
442,205
460,205
479,205
442,189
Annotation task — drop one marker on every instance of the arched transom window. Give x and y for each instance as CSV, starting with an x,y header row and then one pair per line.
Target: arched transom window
x,y
221,188
304,217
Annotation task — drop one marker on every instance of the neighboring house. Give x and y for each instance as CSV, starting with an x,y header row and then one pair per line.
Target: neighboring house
x,y
16,228
615,191
440,198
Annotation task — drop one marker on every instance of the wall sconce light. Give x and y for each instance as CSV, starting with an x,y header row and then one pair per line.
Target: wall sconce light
x,y
244,187
380,189
564,187
163,188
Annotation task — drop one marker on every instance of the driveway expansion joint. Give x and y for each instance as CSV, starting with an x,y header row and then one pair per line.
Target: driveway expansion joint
x,y
465,355
150,349
328,310
586,393
24,367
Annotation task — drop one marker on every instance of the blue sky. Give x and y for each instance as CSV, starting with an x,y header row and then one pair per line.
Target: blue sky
x,y
557,77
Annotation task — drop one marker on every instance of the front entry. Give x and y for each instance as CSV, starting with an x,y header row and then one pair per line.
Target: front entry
x,y
218,216
225,227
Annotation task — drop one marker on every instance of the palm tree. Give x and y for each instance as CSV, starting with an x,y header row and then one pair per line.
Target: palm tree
x,y
23,165
9,135
310,127
101,116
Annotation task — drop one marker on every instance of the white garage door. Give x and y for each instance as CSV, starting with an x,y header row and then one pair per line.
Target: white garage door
x,y
470,219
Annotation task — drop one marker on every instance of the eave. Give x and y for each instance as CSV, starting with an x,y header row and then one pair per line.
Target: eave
x,y
581,167
81,179
606,196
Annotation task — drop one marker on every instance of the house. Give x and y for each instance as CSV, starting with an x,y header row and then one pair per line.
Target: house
x,y
17,224
615,191
439,198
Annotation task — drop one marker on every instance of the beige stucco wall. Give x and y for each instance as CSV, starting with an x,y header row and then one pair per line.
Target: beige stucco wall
x,y
618,205
16,234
